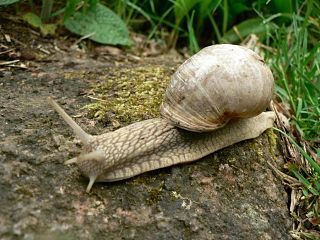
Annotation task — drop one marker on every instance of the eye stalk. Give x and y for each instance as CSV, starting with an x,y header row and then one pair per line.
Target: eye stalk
x,y
84,137
87,162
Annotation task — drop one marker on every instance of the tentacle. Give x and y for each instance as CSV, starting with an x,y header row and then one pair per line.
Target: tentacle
x,y
92,179
84,137
70,161
97,154
88,165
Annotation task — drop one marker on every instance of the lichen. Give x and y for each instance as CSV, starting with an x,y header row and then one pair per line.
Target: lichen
x,y
129,94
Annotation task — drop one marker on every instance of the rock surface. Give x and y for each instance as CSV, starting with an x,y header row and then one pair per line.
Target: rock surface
x,y
231,194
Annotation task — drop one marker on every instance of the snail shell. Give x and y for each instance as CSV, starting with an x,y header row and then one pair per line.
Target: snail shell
x,y
219,83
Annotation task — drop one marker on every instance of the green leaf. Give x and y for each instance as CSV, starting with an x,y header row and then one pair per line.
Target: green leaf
x,y
253,25
108,28
35,21
32,19
7,2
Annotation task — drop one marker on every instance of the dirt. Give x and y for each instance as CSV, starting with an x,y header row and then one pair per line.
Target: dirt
x,y
231,194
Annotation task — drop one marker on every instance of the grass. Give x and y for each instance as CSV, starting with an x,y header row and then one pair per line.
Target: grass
x,y
203,22
297,67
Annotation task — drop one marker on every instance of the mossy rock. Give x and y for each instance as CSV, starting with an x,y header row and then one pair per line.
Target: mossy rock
x,y
231,194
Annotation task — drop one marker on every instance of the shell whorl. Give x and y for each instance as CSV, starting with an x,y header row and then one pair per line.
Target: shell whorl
x,y
219,83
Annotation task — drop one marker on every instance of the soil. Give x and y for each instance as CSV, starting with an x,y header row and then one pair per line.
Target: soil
x,y
231,194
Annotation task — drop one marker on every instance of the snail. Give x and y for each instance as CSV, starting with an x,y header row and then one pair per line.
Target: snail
x,y
215,98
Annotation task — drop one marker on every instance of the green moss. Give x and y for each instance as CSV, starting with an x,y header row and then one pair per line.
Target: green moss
x,y
273,140
130,94
153,187
74,75
144,179
154,196
256,146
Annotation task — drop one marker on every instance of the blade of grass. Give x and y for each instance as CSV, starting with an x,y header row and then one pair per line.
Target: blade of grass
x,y
141,11
225,16
193,43
160,21
313,163
303,180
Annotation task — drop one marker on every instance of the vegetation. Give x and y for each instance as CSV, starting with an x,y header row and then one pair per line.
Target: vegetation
x,y
88,18
296,67
287,34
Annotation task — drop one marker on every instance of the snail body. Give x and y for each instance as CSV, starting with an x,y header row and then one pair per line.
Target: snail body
x,y
162,142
